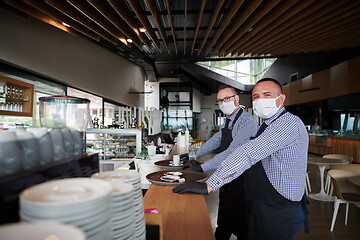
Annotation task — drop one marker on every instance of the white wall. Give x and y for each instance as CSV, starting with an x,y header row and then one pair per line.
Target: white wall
x,y
152,99
196,100
43,49
208,107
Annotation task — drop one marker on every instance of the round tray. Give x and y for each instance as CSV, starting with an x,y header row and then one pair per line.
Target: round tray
x,y
166,164
189,176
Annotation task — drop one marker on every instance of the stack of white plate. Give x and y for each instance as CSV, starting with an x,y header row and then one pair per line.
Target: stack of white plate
x,y
133,178
37,231
123,211
83,202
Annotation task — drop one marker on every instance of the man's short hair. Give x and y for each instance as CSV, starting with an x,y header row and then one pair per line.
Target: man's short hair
x,y
270,80
224,86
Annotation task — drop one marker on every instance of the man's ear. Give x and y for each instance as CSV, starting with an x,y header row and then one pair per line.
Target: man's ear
x,y
282,99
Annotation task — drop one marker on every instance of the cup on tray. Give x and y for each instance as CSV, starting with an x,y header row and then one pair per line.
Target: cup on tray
x,y
176,160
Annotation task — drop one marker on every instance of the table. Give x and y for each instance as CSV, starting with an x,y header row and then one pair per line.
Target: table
x,y
355,180
322,163
184,216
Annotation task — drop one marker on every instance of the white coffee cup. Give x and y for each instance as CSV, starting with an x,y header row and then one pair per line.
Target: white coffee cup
x,y
176,160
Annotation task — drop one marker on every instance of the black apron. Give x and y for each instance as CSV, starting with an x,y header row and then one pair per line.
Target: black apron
x,y
225,223
268,214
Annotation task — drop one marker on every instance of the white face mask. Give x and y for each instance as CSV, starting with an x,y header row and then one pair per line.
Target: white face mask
x,y
265,107
227,107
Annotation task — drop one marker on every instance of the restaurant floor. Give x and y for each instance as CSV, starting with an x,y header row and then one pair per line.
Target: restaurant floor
x,y
320,216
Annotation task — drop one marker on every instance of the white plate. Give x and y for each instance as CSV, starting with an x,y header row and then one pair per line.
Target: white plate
x,y
61,211
36,231
66,191
125,175
165,179
175,173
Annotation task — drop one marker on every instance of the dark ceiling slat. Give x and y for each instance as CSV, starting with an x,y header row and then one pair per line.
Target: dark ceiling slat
x,y
152,6
268,19
198,22
235,5
211,22
136,7
300,43
107,11
247,9
330,41
223,29
70,11
43,7
123,12
255,17
311,12
86,9
168,7
259,36
185,24
348,41
265,27
321,35
41,16
325,17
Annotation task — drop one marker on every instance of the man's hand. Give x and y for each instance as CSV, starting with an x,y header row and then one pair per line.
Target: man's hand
x,y
192,187
193,165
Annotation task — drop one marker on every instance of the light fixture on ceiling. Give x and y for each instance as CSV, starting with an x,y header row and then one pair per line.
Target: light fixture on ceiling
x,y
142,29
65,24
129,40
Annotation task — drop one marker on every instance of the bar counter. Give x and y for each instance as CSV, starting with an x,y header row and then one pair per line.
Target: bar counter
x,y
184,216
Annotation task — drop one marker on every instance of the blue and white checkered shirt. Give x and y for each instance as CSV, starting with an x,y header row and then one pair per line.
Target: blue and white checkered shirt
x,y
245,127
282,148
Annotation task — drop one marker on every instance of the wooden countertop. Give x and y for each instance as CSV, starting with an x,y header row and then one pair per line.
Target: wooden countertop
x,y
184,216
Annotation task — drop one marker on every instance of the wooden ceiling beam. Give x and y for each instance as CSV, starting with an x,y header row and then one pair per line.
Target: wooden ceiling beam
x,y
329,42
70,11
43,7
321,35
136,7
249,24
211,22
154,12
108,12
198,22
263,29
322,19
234,7
23,7
242,15
91,13
185,25
299,42
297,21
124,12
267,20
171,21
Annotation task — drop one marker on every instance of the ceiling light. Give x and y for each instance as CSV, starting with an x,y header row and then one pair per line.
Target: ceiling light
x,y
142,29
65,24
129,40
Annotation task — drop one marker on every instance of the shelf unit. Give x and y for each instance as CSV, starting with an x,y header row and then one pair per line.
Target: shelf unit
x,y
24,97
116,147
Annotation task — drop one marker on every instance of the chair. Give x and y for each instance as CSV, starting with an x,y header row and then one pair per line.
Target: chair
x,y
307,186
345,192
334,156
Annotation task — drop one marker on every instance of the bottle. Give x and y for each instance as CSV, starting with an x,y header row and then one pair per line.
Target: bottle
x,y
187,136
159,141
